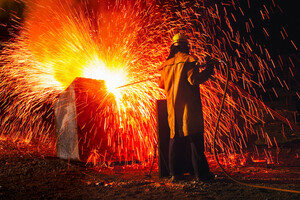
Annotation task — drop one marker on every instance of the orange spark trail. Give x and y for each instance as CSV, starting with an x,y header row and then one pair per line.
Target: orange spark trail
x,y
123,42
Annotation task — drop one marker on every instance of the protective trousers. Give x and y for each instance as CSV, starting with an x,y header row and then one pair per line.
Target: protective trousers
x,y
178,160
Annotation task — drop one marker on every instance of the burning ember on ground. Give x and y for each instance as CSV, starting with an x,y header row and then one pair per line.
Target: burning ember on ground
x,y
124,42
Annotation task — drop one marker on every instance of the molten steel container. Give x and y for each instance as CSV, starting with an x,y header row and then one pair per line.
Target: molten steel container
x,y
80,128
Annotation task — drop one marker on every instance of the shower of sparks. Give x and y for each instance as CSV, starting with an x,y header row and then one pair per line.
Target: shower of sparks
x,y
123,42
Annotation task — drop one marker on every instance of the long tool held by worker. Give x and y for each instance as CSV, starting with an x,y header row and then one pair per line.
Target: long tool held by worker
x,y
156,76
141,81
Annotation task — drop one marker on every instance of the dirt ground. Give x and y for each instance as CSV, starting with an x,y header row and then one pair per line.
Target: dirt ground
x,y
30,171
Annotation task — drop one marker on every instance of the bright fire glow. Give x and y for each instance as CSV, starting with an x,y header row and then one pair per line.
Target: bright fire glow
x,y
123,42
113,78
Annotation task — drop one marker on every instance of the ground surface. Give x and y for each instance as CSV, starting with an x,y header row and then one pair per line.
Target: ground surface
x,y
33,172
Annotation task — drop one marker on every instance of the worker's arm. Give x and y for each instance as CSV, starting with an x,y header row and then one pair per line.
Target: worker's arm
x,y
195,77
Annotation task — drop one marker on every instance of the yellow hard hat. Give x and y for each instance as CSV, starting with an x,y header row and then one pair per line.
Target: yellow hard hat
x,y
180,38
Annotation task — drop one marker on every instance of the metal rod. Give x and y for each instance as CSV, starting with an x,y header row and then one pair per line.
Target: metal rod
x,y
137,82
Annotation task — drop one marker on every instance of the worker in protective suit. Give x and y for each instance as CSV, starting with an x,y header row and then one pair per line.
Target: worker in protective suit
x,y
180,77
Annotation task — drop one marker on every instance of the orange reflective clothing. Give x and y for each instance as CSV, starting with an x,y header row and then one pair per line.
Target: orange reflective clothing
x,y
180,77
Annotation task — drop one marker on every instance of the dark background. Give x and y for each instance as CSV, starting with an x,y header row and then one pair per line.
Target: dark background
x,y
282,13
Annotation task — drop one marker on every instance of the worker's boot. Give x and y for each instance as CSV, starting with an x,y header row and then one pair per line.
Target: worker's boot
x,y
205,177
176,178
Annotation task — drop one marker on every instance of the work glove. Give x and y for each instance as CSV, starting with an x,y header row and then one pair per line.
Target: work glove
x,y
211,62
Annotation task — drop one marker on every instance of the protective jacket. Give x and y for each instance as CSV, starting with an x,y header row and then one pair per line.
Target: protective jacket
x,y
180,77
